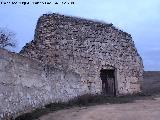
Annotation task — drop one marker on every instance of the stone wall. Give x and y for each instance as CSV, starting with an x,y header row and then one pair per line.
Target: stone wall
x,y
26,84
86,47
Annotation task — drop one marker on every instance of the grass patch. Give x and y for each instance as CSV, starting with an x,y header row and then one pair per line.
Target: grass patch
x,y
80,101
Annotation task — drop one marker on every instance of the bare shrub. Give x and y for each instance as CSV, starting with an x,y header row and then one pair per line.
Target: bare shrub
x,y
7,38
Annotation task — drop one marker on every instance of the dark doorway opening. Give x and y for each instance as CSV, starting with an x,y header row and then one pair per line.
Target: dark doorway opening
x,y
108,82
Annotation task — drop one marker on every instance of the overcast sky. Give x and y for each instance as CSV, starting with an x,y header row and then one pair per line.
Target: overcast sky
x,y
140,18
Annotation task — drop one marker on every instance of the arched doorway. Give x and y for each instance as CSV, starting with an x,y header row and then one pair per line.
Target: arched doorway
x,y
108,82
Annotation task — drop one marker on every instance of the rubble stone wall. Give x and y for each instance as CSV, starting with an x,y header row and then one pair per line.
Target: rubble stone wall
x,y
86,47
26,84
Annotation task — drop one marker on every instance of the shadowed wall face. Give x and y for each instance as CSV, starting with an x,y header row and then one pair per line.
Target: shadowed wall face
x,y
26,84
86,47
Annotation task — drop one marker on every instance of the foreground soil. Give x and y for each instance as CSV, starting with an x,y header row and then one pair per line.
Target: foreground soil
x,y
138,110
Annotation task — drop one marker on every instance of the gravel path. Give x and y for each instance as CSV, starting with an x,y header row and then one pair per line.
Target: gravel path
x,y
139,110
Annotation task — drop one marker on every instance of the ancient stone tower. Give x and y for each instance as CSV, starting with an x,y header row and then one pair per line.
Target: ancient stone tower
x,y
105,57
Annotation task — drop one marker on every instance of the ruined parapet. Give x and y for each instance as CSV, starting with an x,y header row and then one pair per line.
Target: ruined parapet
x,y
87,47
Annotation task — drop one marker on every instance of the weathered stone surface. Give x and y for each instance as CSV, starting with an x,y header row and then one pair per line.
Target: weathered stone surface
x,y
26,84
64,61
86,47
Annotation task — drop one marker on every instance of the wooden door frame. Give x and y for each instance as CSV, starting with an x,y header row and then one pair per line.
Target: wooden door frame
x,y
115,80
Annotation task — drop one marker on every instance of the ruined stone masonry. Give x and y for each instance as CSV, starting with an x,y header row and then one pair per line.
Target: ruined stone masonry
x,y
87,47
68,57
26,84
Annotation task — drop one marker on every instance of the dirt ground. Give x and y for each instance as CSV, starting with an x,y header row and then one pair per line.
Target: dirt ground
x,y
138,110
